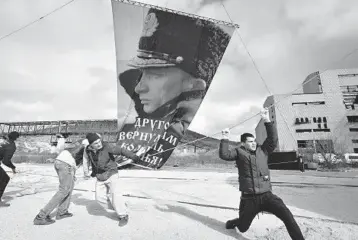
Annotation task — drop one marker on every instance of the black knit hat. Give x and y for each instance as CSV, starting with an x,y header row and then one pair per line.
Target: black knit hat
x,y
13,135
91,137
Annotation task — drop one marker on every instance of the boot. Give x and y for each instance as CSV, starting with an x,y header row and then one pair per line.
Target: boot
x,y
231,224
123,220
64,215
4,204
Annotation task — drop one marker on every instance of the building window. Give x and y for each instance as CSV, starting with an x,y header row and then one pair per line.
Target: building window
x,y
319,120
319,125
355,150
303,130
317,103
352,119
322,130
324,119
325,125
306,120
305,143
354,140
309,103
314,120
350,96
353,129
297,121
299,103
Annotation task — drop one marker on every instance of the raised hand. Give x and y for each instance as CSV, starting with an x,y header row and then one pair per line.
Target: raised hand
x,y
141,151
265,115
225,132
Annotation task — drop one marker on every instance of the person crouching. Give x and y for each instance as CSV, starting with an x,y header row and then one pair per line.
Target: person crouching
x,y
104,167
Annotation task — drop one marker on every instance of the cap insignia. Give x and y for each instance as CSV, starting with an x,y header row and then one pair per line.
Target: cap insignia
x,y
150,25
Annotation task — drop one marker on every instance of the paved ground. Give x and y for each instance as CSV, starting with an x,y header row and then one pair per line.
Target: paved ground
x,y
180,205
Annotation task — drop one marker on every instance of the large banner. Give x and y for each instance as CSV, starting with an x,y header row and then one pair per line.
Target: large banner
x,y
165,64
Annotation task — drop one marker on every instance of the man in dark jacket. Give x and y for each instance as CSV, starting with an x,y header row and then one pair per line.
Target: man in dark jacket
x,y
254,180
104,167
7,150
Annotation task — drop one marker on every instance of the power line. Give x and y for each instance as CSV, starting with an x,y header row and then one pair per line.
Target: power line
x,y
35,21
256,68
253,116
247,50
232,24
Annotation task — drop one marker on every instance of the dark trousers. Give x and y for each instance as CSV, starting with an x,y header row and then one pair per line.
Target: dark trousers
x,y
302,166
268,202
4,180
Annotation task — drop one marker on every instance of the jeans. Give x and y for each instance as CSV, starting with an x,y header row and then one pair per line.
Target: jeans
x,y
62,198
267,202
4,180
109,196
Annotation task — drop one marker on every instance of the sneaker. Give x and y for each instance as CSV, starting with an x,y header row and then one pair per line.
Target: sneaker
x,y
65,215
230,224
43,221
123,220
4,204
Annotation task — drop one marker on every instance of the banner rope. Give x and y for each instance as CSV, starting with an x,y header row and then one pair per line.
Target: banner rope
x,y
37,20
257,69
269,107
263,80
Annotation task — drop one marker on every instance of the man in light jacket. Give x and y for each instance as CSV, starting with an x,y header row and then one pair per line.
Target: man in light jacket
x,y
66,164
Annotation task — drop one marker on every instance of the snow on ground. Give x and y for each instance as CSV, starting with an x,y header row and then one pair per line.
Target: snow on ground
x,y
162,205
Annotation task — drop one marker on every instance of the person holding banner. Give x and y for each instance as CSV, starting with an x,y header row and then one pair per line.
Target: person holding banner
x,y
100,155
7,150
176,60
254,179
67,162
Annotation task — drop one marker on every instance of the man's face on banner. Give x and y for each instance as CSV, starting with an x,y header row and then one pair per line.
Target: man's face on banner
x,y
160,85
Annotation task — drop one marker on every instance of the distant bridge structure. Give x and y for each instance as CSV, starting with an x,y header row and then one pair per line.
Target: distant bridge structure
x,y
107,128
76,128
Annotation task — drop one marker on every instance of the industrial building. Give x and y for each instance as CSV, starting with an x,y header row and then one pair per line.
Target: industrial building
x,y
322,118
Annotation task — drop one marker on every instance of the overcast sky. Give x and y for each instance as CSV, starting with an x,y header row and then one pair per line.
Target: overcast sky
x,y
64,66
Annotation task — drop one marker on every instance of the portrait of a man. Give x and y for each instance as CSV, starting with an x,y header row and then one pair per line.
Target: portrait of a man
x,y
176,60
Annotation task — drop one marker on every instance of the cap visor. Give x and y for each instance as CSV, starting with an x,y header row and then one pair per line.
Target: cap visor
x,y
147,63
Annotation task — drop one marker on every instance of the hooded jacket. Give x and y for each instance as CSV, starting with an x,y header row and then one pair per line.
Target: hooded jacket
x,y
254,174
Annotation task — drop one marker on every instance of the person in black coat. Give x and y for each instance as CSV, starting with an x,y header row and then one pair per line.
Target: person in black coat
x,y
7,150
